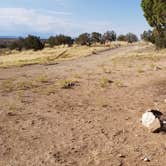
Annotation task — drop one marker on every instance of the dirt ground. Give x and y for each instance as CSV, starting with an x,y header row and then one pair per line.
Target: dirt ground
x,y
94,120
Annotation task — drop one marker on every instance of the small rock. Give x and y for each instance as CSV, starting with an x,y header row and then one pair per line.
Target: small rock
x,y
11,114
146,159
155,125
121,156
147,119
156,68
150,121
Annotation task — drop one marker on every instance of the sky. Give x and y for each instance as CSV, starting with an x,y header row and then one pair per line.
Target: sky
x,y
70,17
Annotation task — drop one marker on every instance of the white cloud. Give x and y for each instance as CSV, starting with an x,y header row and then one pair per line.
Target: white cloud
x,y
38,21
23,21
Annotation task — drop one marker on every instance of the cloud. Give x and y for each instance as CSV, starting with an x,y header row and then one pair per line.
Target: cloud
x,y
21,21
14,19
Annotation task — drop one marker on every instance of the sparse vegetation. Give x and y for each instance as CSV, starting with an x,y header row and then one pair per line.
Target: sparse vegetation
x,y
106,70
96,37
25,85
42,79
84,39
7,86
68,84
104,82
130,38
46,56
30,42
119,83
109,36
122,38
141,71
60,40
79,101
11,85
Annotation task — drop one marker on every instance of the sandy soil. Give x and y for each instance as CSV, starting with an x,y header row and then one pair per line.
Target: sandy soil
x,y
94,123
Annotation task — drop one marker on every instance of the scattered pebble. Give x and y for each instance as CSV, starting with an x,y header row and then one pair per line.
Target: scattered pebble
x,y
121,156
157,68
146,159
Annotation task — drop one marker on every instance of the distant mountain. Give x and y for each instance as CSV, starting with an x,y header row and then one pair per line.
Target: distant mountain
x,y
8,37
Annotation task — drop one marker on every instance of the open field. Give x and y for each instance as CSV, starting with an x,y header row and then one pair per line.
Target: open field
x,y
84,111
10,58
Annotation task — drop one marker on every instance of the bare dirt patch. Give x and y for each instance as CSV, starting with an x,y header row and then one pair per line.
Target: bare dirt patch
x,y
94,123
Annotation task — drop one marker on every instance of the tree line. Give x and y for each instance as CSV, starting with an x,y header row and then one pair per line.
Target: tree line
x,y
35,43
154,12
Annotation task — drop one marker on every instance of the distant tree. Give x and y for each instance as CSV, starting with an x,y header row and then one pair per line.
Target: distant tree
x,y
121,38
51,41
17,44
4,45
109,36
96,37
32,42
130,37
59,40
147,36
14,45
155,14
84,39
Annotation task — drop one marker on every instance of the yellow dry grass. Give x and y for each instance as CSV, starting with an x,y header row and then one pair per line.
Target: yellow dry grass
x,y
51,55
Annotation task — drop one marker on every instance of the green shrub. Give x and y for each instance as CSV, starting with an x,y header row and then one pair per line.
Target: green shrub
x,y
30,42
121,38
130,37
109,36
84,39
59,40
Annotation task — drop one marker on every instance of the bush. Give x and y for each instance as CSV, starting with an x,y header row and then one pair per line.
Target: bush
x,y
17,45
3,46
121,38
130,37
96,37
109,36
51,41
59,40
30,42
84,39
147,36
155,37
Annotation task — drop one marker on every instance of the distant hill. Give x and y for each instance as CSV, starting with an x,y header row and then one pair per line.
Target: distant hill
x,y
6,40
8,37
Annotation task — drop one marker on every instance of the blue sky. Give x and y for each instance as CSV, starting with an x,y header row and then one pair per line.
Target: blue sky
x,y
70,17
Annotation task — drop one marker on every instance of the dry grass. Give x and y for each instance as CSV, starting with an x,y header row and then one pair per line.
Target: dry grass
x,y
42,79
46,56
68,83
152,56
105,82
51,55
7,86
10,85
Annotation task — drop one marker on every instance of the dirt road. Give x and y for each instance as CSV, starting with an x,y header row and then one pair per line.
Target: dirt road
x,y
95,123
